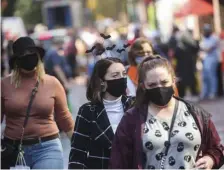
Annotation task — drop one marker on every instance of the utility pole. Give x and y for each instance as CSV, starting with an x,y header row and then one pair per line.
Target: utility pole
x,y
217,17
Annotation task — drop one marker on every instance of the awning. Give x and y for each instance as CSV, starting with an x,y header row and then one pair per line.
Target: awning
x,y
195,7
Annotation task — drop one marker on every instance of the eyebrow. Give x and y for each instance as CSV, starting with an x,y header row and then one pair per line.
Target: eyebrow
x,y
151,83
154,83
117,72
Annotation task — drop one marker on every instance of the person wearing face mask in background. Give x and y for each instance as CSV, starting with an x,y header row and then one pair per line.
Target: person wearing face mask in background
x,y
139,50
210,50
41,144
162,131
97,120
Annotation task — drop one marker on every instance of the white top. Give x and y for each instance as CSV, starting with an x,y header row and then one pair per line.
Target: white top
x,y
115,112
131,88
185,140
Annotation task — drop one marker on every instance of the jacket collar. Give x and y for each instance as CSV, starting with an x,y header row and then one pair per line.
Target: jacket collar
x,y
104,132
196,111
200,116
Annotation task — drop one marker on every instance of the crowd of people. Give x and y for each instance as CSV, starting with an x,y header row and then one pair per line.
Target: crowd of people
x,y
196,63
136,117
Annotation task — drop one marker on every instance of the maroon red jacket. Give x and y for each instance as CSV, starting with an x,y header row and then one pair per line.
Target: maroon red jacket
x,y
127,149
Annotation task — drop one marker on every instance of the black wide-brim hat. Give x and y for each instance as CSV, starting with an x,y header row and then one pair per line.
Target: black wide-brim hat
x,y
19,47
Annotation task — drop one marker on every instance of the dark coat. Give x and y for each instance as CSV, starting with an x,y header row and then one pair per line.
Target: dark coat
x,y
93,136
186,54
127,149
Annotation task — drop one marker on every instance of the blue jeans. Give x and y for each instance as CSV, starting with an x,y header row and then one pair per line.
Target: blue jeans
x,y
209,75
45,155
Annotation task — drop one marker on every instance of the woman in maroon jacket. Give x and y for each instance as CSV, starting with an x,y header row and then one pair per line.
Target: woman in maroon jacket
x,y
162,131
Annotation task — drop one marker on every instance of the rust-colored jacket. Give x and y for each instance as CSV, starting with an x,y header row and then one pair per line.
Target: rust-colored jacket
x,y
127,150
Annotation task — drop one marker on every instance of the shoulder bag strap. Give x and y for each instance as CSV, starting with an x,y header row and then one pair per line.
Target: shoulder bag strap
x,y
171,127
167,143
33,93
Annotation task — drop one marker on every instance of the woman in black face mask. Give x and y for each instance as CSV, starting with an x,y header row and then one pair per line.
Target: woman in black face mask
x,y
163,131
97,120
34,105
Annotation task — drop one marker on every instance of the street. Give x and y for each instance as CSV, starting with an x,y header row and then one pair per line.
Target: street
x,y
77,98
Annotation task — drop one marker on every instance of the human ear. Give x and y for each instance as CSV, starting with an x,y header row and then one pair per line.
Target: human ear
x,y
103,85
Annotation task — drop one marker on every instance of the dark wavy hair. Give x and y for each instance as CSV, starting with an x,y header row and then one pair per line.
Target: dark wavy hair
x,y
94,90
150,63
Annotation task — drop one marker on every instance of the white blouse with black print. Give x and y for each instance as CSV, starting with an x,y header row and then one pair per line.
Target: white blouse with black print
x,y
185,140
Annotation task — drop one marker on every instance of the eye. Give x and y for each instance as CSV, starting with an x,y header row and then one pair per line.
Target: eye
x,y
114,75
152,85
164,82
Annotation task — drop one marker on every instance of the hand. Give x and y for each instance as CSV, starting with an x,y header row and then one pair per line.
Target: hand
x,y
205,162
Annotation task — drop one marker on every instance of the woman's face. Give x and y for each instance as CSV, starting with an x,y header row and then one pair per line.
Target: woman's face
x,y
145,52
115,71
28,61
158,77
115,80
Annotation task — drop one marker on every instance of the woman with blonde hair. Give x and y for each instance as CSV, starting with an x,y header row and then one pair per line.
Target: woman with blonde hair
x,y
34,105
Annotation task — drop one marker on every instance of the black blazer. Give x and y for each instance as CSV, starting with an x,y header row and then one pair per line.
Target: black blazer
x,y
93,136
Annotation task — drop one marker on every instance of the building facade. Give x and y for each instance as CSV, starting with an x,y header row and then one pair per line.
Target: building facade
x,y
62,13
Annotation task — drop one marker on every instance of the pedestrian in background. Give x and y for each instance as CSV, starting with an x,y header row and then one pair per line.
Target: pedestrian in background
x,y
56,64
173,42
71,52
210,47
162,131
159,47
41,144
186,55
97,120
140,49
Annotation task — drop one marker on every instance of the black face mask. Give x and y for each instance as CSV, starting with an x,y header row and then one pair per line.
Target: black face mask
x,y
160,96
207,34
28,62
117,87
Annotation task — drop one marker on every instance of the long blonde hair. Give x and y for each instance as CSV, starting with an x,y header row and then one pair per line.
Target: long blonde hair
x,y
16,73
